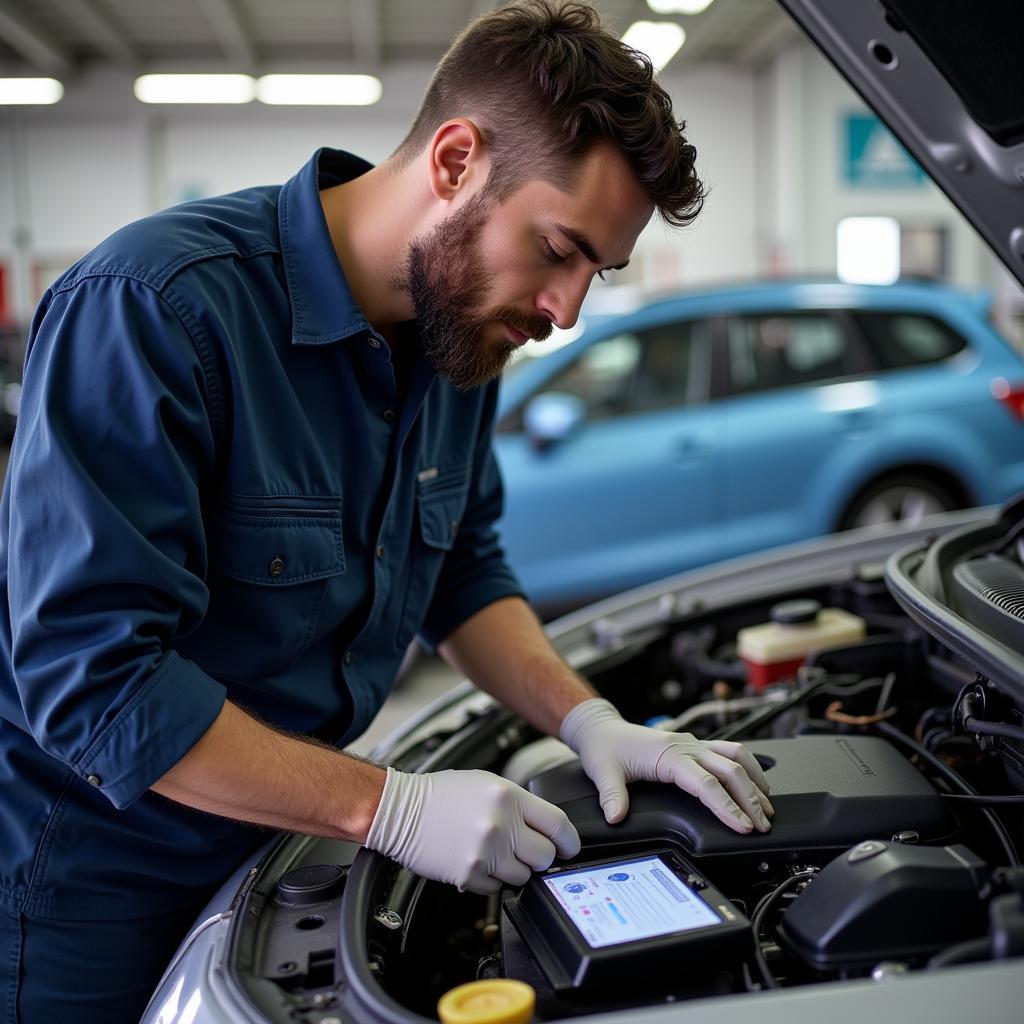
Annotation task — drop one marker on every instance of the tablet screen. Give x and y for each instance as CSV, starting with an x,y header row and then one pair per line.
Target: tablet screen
x,y
626,901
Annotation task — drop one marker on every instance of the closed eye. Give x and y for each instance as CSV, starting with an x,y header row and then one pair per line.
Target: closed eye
x,y
552,255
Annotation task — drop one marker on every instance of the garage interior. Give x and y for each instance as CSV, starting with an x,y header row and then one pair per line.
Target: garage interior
x,y
751,323
776,129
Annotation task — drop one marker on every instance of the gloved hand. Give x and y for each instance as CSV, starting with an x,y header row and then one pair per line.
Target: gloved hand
x,y
723,776
470,828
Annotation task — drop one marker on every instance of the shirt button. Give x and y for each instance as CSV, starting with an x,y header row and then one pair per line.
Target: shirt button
x,y
374,343
389,415
277,566
349,657
455,527
94,780
380,551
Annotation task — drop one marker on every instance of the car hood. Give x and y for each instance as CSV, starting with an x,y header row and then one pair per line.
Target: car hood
x,y
948,80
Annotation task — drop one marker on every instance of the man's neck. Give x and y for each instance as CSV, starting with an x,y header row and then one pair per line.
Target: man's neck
x,y
368,220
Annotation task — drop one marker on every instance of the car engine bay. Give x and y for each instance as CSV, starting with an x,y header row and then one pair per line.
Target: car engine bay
x,y
897,775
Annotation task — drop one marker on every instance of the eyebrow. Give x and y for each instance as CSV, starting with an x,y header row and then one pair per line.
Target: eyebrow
x,y
585,246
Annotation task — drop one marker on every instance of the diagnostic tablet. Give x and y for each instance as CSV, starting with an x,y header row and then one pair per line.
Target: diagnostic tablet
x,y
600,923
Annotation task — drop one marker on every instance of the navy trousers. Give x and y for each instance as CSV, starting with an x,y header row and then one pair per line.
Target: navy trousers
x,y
85,972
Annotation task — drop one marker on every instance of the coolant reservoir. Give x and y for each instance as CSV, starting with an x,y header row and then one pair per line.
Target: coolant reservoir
x,y
776,649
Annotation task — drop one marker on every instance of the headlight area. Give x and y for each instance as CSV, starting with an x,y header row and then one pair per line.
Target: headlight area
x,y
885,857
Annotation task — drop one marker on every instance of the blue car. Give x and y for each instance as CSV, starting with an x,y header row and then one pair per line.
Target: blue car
x,y
710,425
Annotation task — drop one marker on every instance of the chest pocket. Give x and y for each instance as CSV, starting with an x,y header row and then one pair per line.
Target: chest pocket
x,y
271,560
440,502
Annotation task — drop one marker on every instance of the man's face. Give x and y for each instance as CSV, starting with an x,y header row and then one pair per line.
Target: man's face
x,y
492,276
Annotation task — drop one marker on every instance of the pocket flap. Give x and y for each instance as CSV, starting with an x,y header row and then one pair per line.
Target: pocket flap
x,y
439,517
277,549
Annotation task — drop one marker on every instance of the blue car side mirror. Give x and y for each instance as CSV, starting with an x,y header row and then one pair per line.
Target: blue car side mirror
x,y
551,417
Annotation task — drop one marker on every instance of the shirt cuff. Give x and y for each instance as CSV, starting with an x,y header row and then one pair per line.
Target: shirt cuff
x,y
171,712
456,609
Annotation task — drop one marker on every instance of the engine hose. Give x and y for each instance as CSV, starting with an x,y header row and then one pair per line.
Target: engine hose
x,y
691,651
955,780
1008,732
963,953
754,722
712,708
709,668
757,919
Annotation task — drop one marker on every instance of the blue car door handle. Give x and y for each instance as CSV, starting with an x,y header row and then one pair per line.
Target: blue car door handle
x,y
693,447
857,421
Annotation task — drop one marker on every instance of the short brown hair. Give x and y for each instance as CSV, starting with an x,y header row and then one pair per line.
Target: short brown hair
x,y
545,82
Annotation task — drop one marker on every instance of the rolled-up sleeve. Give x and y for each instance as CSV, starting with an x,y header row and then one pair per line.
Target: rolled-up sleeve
x,y
475,572
107,550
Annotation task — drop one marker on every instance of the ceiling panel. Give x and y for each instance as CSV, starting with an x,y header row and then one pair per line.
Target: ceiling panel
x,y
162,32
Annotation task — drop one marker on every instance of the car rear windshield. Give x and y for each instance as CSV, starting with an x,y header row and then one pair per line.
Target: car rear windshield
x,y
900,339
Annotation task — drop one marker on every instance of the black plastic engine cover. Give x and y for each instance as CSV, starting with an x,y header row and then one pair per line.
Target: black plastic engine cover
x,y
829,792
883,901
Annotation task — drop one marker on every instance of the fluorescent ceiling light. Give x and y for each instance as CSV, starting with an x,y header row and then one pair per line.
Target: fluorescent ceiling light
x,y
868,250
30,90
195,88
660,40
678,6
319,90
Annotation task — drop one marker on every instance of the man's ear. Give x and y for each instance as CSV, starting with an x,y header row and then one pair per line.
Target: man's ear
x,y
456,158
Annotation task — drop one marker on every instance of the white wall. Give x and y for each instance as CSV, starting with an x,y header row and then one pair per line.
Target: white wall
x,y
769,148
8,210
717,104
99,159
779,165
810,101
81,177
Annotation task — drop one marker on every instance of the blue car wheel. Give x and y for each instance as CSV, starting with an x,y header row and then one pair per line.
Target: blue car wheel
x,y
904,498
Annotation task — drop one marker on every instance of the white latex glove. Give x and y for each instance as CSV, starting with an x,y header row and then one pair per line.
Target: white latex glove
x,y
470,828
725,777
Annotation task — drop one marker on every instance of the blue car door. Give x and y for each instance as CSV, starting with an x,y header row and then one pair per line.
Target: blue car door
x,y
629,495
800,413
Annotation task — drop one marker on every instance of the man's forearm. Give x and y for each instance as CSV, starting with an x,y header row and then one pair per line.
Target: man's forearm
x,y
504,650
243,769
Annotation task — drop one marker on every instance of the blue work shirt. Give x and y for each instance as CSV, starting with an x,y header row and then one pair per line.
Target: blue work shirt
x,y
217,489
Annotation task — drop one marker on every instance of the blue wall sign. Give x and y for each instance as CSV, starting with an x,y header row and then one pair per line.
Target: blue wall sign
x,y
874,159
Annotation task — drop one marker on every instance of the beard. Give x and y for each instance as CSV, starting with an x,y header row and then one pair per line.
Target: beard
x,y
448,283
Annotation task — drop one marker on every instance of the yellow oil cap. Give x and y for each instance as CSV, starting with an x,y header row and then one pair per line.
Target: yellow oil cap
x,y
491,1001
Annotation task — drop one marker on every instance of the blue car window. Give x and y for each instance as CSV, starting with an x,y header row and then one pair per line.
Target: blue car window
x,y
781,350
907,339
602,377
656,368
673,368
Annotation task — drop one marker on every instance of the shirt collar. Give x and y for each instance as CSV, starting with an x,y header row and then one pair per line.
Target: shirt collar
x,y
323,307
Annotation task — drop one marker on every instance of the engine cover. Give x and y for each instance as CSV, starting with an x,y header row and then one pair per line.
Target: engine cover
x,y
829,793
884,901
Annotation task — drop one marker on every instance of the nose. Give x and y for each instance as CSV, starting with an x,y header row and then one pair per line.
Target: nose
x,y
560,301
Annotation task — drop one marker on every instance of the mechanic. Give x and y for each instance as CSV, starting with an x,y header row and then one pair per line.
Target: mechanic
x,y
253,462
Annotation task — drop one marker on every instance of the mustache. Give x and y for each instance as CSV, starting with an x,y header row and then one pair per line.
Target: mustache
x,y
537,327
